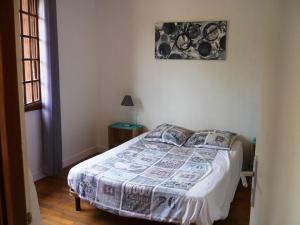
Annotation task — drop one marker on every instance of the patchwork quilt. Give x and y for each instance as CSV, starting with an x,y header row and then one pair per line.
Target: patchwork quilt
x,y
146,180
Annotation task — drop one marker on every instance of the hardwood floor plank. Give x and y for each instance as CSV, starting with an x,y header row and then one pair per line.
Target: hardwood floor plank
x,y
57,207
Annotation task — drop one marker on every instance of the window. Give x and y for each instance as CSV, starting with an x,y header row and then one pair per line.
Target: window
x,y
30,54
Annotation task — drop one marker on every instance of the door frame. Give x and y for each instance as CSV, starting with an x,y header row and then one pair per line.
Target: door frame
x,y
12,185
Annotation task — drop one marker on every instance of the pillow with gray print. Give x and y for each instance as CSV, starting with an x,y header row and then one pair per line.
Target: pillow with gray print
x,y
212,139
176,135
169,134
197,139
157,133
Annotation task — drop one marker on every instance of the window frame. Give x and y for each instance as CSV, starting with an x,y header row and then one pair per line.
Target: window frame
x,y
35,82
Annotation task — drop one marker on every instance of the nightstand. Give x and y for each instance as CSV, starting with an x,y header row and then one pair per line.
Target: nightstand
x,y
119,133
252,152
251,172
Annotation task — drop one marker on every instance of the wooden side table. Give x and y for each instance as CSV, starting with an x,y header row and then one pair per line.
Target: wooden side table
x,y
251,171
119,133
252,152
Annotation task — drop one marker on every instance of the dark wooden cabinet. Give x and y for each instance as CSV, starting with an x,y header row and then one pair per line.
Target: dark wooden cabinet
x,y
119,133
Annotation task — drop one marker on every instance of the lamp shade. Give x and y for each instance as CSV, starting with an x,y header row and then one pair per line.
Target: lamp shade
x,y
127,101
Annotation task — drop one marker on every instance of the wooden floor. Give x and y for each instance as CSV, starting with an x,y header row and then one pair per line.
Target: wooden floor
x,y
57,207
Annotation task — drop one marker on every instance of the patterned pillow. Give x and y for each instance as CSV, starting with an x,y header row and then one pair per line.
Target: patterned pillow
x,y
169,134
211,139
197,139
220,139
157,133
176,135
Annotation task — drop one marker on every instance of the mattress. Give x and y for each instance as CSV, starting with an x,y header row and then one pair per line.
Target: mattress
x,y
161,182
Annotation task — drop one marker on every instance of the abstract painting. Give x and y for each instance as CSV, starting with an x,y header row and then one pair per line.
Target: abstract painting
x,y
205,40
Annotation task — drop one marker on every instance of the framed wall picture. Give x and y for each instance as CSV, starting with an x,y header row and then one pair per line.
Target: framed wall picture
x,y
204,40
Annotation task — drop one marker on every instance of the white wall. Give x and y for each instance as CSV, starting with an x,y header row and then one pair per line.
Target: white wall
x,y
277,198
106,50
195,94
34,143
79,77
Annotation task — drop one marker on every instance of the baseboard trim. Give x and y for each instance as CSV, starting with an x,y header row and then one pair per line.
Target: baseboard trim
x,y
79,156
83,154
74,159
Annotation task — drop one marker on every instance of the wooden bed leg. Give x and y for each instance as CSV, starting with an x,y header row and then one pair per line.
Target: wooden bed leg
x,y
77,204
77,199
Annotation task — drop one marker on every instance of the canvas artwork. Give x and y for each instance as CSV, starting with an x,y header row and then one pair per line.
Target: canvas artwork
x,y
204,40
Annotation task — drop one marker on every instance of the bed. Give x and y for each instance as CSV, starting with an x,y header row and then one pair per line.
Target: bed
x,y
160,182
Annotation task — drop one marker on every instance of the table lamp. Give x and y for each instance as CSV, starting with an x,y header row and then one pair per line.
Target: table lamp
x,y
127,101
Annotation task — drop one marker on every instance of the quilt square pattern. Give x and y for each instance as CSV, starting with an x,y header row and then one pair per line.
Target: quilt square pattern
x,y
146,179
137,198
